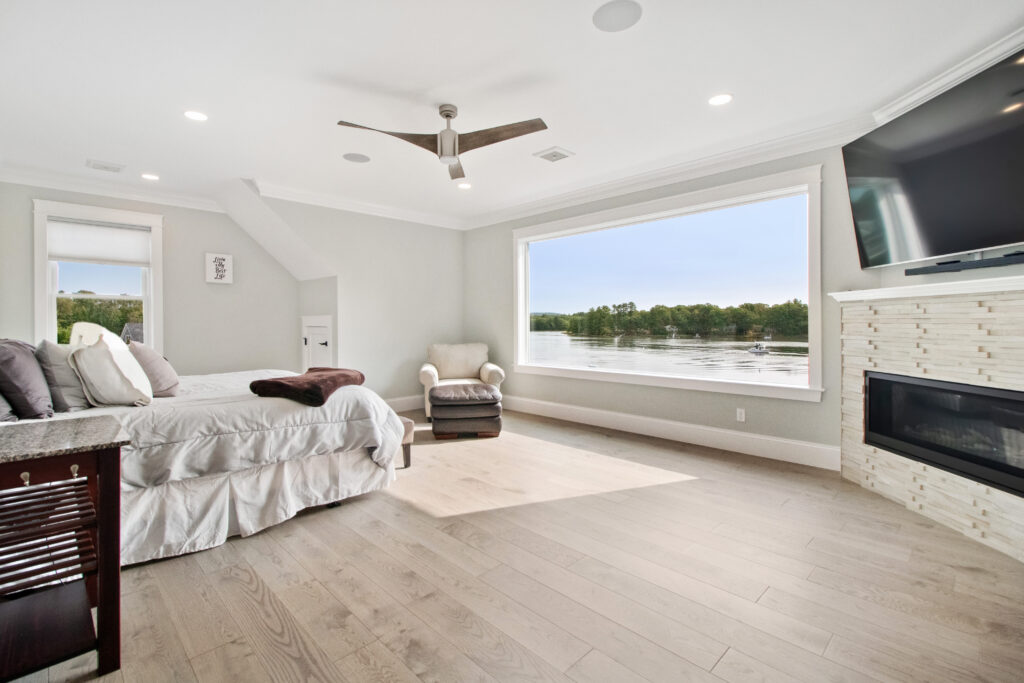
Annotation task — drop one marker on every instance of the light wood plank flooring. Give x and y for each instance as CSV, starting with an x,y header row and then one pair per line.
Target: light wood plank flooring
x,y
558,552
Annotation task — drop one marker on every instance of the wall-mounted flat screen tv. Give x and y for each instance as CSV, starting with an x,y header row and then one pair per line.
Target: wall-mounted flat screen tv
x,y
946,177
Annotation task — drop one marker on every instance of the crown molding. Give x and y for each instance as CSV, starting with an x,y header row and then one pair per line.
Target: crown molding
x,y
740,157
67,183
976,63
332,201
748,155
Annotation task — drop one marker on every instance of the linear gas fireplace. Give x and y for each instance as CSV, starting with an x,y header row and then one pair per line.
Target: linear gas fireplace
x,y
976,432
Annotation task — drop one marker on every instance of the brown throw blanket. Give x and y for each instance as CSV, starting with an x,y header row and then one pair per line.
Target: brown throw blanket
x,y
312,388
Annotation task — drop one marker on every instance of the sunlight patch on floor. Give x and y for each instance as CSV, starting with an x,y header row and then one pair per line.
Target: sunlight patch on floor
x,y
513,469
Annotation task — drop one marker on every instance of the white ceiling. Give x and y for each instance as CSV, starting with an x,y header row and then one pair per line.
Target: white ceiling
x,y
109,80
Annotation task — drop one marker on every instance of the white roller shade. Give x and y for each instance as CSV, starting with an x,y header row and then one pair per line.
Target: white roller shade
x,y
127,245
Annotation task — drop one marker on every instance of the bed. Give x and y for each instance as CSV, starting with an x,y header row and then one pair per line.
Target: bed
x,y
217,460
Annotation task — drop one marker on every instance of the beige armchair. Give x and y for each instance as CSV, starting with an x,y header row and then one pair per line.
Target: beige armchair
x,y
457,364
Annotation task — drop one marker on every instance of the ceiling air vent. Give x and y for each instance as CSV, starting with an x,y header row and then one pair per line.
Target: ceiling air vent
x,y
108,166
553,154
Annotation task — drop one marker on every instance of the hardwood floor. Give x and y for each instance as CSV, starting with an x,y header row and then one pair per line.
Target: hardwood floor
x,y
558,552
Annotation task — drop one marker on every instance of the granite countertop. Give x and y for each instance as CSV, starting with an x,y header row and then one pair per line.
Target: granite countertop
x,y
60,437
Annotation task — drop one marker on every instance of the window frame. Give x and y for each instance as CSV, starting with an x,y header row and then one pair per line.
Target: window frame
x,y
44,211
805,180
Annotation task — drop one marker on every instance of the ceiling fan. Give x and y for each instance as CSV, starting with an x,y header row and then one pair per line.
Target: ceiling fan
x,y
448,143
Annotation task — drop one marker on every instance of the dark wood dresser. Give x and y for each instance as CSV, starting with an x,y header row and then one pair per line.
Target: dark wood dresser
x,y
60,543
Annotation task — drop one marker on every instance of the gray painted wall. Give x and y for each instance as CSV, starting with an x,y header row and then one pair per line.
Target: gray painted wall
x,y
489,304
252,323
399,289
319,296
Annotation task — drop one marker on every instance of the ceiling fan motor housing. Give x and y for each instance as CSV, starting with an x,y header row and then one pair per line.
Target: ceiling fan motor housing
x,y
448,146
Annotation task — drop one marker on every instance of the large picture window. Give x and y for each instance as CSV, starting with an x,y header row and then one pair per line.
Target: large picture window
x,y
716,290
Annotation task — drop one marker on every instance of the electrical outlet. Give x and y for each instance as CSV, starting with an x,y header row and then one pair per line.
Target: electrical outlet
x,y
741,415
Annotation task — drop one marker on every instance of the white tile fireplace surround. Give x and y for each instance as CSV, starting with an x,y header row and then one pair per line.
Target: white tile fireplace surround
x,y
970,332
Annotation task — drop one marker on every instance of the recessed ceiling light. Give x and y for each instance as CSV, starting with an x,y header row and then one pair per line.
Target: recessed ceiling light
x,y
355,158
150,176
617,15
196,115
464,186
1020,60
1013,107
720,99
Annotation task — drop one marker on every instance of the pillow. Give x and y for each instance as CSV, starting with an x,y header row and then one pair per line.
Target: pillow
x,y
22,381
110,374
86,334
162,376
6,411
65,387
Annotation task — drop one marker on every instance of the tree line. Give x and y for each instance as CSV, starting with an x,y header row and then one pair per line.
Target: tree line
x,y
787,319
112,314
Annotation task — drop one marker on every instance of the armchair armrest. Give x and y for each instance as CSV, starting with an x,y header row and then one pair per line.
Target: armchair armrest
x,y
492,374
428,375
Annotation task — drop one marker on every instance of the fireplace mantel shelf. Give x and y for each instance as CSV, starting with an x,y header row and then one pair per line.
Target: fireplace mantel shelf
x,y
983,286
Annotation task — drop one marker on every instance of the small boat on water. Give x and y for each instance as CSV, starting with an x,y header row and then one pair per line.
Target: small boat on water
x,y
767,337
758,348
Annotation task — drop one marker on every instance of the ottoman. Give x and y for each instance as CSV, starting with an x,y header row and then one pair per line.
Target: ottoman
x,y
465,409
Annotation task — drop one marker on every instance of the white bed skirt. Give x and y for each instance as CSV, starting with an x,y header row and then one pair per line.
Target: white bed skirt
x,y
202,512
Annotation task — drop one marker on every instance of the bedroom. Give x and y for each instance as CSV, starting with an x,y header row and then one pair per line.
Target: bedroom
x,y
526,555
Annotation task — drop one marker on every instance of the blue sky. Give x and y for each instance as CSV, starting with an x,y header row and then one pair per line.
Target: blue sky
x,y
753,253
98,278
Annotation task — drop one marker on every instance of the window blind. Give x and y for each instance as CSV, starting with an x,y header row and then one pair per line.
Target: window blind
x,y
120,244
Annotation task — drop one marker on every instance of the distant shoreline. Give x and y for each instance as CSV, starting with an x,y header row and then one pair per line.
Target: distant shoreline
x,y
752,320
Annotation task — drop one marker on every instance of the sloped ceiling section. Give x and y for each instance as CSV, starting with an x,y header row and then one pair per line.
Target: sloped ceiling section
x,y
242,201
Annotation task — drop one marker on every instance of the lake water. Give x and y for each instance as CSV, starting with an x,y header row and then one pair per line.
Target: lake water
x,y
705,358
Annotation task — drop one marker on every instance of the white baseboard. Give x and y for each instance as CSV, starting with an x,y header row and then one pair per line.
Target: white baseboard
x,y
403,403
776,448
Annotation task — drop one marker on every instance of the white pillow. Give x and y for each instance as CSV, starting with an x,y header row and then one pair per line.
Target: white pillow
x,y
86,334
110,374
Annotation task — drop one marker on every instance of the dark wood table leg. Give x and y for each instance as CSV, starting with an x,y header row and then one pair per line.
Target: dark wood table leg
x,y
108,510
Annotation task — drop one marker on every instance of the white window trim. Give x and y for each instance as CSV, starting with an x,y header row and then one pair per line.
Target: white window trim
x,y
804,180
44,211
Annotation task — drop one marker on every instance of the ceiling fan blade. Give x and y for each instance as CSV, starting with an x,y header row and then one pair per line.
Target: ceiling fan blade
x,y
427,141
455,171
489,136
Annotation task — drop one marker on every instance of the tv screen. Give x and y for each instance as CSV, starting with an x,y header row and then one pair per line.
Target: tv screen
x,y
946,177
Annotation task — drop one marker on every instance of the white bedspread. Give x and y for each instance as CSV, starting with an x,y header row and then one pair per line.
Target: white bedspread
x,y
216,425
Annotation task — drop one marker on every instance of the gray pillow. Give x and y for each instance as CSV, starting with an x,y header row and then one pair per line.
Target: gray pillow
x,y
22,381
162,376
6,411
65,387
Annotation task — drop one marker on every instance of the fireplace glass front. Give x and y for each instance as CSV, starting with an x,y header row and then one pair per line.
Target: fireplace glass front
x,y
977,432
